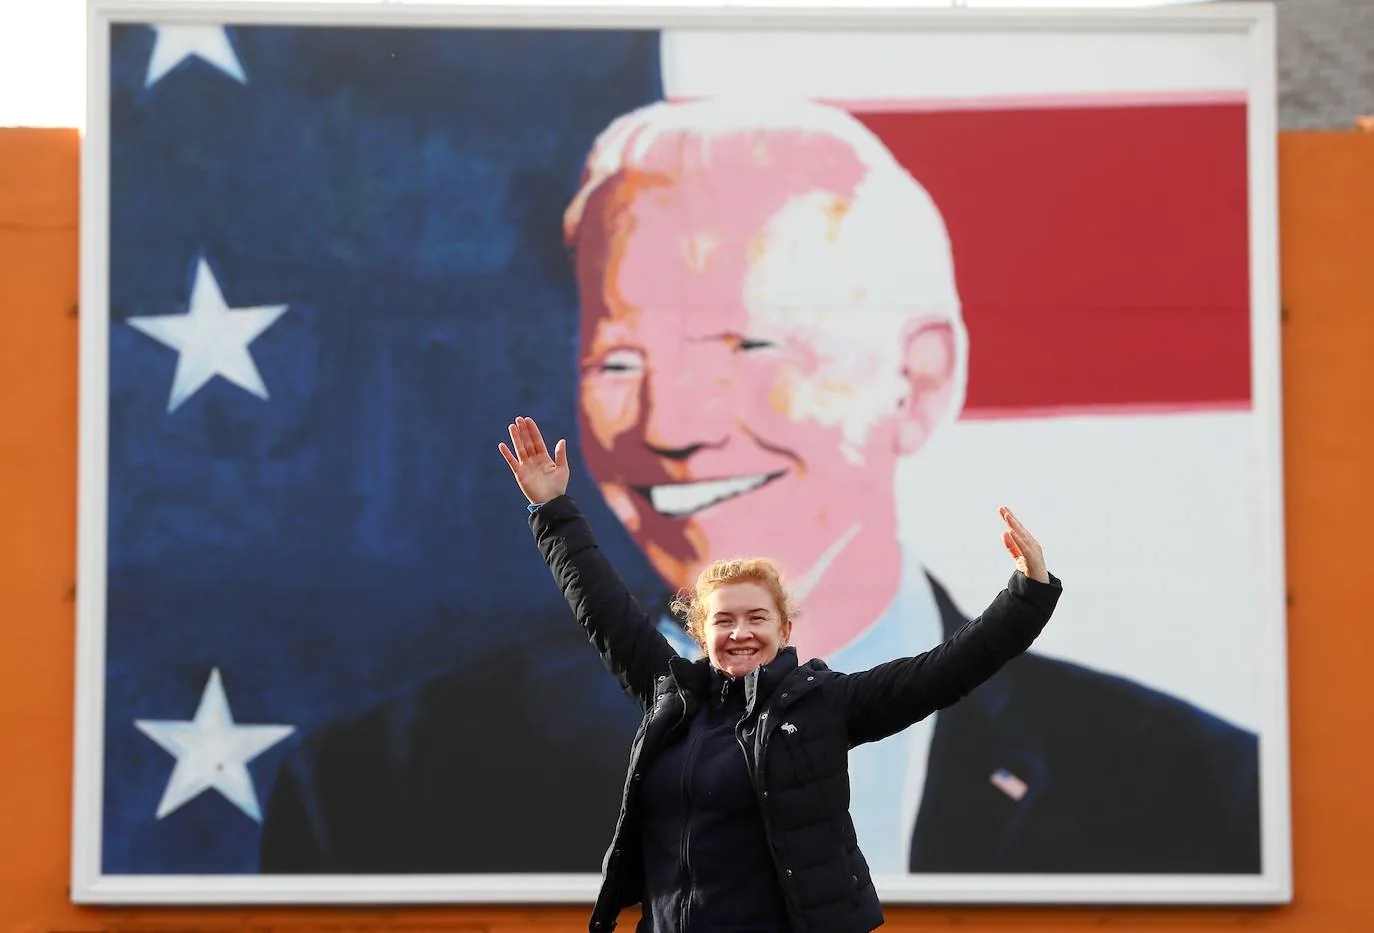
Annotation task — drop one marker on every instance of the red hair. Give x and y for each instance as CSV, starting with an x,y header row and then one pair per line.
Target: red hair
x,y
691,607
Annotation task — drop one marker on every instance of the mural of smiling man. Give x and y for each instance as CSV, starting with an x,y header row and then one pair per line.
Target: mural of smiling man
x,y
769,324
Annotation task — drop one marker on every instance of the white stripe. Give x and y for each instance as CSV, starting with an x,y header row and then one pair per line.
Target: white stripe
x,y
857,65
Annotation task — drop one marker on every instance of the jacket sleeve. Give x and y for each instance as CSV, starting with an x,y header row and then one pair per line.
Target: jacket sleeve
x,y
892,696
629,643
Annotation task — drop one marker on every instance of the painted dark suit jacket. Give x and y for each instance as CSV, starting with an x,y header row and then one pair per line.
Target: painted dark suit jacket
x,y
517,767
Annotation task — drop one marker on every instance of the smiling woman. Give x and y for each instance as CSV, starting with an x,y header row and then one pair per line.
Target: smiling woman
x,y
740,611
735,810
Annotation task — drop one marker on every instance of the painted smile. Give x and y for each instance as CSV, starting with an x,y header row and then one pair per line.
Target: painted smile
x,y
679,499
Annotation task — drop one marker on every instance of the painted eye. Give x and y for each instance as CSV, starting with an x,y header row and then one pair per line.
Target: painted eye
x,y
754,343
620,361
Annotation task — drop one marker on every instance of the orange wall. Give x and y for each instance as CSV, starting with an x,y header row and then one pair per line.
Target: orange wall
x,y
1327,204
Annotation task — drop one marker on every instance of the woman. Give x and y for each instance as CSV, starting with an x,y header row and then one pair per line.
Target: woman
x,y
735,814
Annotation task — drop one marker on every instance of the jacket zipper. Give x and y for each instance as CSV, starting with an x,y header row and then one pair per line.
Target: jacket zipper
x,y
759,794
687,824
638,766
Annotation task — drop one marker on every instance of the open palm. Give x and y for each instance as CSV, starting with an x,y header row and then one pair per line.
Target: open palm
x,y
540,476
1025,551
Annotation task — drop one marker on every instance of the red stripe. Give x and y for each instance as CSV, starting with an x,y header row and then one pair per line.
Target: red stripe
x,y
1102,252
1043,101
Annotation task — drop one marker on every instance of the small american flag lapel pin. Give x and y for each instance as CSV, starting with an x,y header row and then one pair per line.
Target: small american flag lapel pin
x,y
1009,784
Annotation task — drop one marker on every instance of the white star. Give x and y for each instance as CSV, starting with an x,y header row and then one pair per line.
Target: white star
x,y
174,44
212,752
211,338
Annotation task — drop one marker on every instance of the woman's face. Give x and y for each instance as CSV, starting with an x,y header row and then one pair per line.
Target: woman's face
x,y
743,628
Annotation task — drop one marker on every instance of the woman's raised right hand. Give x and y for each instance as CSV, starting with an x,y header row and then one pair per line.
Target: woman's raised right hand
x,y
539,476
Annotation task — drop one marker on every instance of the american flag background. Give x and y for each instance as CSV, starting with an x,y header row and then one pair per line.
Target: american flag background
x,y
323,530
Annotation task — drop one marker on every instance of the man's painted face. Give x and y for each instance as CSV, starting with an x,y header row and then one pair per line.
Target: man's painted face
x,y
737,397
752,367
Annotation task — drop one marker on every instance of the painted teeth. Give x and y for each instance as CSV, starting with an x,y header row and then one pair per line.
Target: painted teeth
x,y
680,499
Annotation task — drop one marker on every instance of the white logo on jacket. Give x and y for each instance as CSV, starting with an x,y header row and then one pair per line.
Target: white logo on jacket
x,y
788,728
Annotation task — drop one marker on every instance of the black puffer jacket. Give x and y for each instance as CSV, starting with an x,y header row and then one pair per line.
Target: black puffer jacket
x,y
811,717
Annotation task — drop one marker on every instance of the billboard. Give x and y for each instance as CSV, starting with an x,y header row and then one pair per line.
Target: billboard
x,y
828,287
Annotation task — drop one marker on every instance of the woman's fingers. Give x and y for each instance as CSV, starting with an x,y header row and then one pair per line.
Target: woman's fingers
x,y
1020,531
1012,521
536,439
1026,542
526,442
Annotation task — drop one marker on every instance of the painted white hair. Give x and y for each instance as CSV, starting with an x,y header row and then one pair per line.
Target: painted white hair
x,y
893,263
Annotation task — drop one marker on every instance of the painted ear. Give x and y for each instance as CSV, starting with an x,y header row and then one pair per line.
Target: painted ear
x,y
929,362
